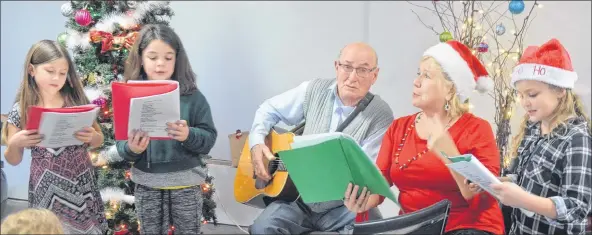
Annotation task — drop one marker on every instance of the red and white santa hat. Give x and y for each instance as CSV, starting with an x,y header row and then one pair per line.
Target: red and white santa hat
x,y
550,63
464,69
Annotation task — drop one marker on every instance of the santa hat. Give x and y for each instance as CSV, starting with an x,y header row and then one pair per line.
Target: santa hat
x,y
464,69
550,63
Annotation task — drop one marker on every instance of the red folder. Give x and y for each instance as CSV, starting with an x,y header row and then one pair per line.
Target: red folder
x,y
123,93
34,113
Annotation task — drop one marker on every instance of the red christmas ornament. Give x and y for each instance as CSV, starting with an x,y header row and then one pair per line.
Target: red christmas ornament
x,y
205,187
83,17
171,230
483,47
122,230
115,71
105,111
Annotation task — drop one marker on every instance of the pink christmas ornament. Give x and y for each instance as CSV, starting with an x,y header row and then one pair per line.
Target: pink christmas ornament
x,y
83,17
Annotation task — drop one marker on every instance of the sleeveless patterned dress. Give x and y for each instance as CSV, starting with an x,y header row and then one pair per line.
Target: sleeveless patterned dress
x,y
63,181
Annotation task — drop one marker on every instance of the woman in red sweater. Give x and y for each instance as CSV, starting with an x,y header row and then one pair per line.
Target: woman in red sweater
x,y
410,156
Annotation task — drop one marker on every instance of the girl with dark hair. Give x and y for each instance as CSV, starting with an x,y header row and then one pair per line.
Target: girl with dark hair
x,y
168,173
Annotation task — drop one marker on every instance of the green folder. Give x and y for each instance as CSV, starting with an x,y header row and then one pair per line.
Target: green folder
x,y
461,158
321,166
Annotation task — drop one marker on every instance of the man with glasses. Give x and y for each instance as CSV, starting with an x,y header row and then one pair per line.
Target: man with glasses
x,y
323,104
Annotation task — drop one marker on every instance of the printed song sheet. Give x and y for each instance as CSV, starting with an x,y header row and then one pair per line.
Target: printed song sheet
x,y
59,128
474,170
151,113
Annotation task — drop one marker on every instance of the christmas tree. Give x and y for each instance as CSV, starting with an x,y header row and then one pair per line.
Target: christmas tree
x,y
99,35
481,25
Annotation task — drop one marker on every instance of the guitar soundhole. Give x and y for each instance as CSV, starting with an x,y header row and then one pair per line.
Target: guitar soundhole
x,y
272,167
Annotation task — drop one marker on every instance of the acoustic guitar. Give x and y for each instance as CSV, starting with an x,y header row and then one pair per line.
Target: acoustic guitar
x,y
250,190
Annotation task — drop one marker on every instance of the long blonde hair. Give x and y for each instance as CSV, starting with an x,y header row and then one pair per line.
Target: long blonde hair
x,y
28,94
456,107
32,221
569,105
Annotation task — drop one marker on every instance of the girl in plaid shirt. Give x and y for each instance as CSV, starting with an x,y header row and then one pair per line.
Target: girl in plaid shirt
x,y
551,190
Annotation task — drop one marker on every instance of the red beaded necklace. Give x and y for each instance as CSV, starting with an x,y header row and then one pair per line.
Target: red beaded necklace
x,y
400,147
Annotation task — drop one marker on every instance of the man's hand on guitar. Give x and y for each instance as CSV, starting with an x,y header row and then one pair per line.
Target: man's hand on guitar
x,y
353,202
258,152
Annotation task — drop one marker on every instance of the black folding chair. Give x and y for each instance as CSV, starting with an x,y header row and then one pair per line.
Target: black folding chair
x,y
430,220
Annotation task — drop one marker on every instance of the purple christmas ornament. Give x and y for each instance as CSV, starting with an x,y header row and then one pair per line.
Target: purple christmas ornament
x,y
101,101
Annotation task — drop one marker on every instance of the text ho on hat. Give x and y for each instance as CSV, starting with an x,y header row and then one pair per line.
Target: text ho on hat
x,y
550,63
464,69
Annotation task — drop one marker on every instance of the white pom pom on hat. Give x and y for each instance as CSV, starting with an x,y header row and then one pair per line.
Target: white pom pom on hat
x,y
464,69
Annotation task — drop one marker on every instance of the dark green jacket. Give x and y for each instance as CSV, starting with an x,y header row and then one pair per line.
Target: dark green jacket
x,y
163,156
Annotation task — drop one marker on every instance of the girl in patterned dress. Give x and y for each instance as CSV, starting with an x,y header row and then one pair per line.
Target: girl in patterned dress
x,y
62,180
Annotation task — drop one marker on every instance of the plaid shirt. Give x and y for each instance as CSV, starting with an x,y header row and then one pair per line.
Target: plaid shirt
x,y
557,166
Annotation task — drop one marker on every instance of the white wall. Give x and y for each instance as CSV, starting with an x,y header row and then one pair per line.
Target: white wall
x,y
245,52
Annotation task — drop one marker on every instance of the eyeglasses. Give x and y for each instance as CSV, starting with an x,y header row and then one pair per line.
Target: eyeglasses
x,y
362,72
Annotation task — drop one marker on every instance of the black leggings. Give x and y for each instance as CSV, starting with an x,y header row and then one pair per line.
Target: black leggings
x,y
468,231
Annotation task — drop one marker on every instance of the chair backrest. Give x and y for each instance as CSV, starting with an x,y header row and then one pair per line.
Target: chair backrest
x,y
430,220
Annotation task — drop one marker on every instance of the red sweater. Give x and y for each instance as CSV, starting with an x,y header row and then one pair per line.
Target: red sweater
x,y
427,180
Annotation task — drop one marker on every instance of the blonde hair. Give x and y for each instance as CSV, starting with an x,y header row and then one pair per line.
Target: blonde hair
x,y
569,105
4,132
29,94
32,221
456,107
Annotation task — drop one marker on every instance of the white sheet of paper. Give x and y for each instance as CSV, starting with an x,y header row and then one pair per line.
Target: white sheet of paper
x,y
475,172
59,128
151,113
527,212
153,81
310,140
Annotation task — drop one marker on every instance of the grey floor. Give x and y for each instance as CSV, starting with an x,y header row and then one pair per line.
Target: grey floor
x,y
13,206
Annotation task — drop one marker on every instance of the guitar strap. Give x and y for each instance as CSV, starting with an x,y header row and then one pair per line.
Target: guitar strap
x,y
298,130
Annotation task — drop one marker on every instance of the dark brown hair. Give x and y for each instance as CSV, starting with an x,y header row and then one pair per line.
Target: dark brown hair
x,y
183,72
28,94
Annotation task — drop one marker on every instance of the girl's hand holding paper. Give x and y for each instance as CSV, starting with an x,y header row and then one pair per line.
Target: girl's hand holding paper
x,y
178,130
138,141
85,135
510,194
25,139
